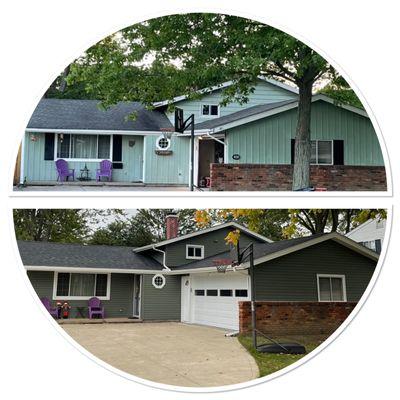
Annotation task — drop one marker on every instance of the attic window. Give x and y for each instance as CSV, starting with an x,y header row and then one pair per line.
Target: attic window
x,y
209,110
194,252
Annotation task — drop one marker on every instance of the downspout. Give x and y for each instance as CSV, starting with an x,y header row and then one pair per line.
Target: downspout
x,y
22,162
214,138
163,253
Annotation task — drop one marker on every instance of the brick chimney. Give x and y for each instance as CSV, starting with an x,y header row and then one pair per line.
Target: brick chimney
x,y
172,226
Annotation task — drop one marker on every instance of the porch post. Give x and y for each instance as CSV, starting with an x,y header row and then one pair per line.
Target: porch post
x,y
253,298
22,165
192,153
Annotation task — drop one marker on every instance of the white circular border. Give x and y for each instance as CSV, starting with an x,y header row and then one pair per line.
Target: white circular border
x,y
153,281
163,148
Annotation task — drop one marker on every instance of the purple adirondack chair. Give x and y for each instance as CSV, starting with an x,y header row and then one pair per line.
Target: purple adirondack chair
x,y
63,171
104,170
95,308
53,311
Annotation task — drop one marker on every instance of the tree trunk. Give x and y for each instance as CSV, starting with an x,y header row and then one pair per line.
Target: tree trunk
x,y
302,154
63,83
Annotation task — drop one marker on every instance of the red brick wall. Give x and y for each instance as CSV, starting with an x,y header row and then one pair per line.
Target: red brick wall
x,y
232,177
294,318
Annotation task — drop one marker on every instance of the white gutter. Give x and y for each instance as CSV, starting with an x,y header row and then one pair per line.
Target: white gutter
x,y
91,270
214,138
92,131
163,253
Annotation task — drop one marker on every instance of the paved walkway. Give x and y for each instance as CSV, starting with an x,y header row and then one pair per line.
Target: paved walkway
x,y
169,352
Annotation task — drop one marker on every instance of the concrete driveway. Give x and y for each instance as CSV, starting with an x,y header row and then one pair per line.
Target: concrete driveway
x,y
169,352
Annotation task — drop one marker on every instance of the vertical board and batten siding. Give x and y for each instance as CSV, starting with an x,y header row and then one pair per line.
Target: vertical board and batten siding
x,y
121,293
267,141
263,93
132,160
161,304
36,168
294,277
213,242
172,169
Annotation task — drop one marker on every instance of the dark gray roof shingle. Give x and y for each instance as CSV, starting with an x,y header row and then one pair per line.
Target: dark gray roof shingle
x,y
260,250
247,112
86,114
50,254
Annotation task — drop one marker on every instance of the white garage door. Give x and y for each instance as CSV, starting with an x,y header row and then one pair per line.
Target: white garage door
x,y
214,298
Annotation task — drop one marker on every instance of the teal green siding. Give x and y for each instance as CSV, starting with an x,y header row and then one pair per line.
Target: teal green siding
x,y
213,242
166,169
132,159
161,304
267,141
121,293
36,168
263,93
294,277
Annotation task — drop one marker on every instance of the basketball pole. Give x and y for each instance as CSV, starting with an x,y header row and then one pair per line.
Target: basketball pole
x,y
192,152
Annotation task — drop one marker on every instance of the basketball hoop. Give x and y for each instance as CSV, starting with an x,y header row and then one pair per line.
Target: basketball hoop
x,y
167,132
222,264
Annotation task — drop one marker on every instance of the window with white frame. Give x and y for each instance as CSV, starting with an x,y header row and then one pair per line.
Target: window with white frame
x,y
81,286
322,152
209,110
163,143
158,281
84,147
194,252
331,287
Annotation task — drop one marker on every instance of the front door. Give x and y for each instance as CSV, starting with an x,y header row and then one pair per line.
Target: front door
x,y
137,279
185,299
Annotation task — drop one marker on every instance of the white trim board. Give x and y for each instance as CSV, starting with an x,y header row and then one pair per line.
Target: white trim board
x,y
223,85
92,131
351,244
211,229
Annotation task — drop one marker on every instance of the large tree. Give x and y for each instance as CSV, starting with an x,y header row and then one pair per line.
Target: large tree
x,y
59,225
179,54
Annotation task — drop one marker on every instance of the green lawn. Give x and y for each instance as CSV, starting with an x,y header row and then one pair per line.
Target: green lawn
x,y
269,363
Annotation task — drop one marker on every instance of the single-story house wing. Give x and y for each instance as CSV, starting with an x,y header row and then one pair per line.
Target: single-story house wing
x,y
177,279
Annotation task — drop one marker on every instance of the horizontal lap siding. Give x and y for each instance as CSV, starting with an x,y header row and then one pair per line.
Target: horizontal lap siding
x,y
167,169
264,93
213,242
294,277
161,304
267,141
121,297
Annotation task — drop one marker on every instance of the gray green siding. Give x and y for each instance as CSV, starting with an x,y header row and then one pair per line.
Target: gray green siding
x,y
213,242
161,304
166,169
267,141
36,168
121,293
294,276
263,93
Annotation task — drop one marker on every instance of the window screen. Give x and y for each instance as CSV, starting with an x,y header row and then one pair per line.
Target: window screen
x,y
62,284
101,285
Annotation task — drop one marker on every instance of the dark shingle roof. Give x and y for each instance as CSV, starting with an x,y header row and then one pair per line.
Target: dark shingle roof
x,y
247,112
260,250
86,114
50,254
